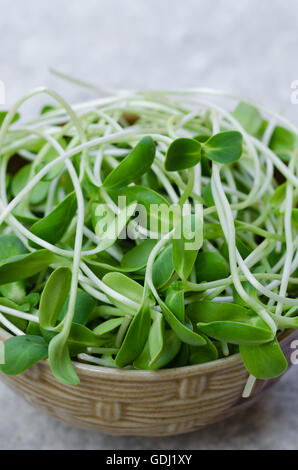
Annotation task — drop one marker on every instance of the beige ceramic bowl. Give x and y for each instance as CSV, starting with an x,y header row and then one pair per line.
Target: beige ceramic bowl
x,y
143,403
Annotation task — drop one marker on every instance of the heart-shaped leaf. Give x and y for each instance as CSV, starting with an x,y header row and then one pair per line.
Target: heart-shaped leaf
x,y
183,153
225,147
264,361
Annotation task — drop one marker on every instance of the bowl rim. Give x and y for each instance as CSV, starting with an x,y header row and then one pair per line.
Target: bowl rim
x,y
158,375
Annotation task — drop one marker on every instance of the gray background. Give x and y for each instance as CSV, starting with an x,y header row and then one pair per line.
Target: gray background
x,y
249,47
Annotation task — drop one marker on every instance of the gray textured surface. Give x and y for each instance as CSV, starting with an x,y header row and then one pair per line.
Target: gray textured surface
x,y
249,47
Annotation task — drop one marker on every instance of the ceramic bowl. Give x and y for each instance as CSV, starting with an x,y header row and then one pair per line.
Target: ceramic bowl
x,y
143,403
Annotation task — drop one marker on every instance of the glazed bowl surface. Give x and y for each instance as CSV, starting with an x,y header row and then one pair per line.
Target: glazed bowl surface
x,y
143,403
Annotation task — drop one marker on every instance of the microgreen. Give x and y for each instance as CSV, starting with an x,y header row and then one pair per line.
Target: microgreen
x,y
53,297
249,117
25,266
38,194
225,147
52,227
169,351
11,246
133,166
211,266
186,246
264,361
164,241
163,268
135,337
183,153
283,142
22,352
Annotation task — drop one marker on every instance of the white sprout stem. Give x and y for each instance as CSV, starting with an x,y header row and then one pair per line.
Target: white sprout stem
x,y
96,360
77,248
19,314
249,386
122,330
107,290
30,185
227,221
10,326
149,269
289,241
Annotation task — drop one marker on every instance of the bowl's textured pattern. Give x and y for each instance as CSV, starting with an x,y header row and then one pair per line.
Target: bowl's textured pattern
x,y
140,402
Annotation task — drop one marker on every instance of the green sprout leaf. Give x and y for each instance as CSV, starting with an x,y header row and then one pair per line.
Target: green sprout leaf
x,y
136,164
135,338
176,302
229,322
37,194
53,297
171,348
22,352
11,246
107,326
163,268
52,227
211,266
183,153
264,361
137,257
203,354
24,266
186,246
225,147
283,142
183,331
60,361
250,118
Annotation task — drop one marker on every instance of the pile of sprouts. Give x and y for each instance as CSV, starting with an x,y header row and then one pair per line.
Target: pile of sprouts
x,y
70,290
